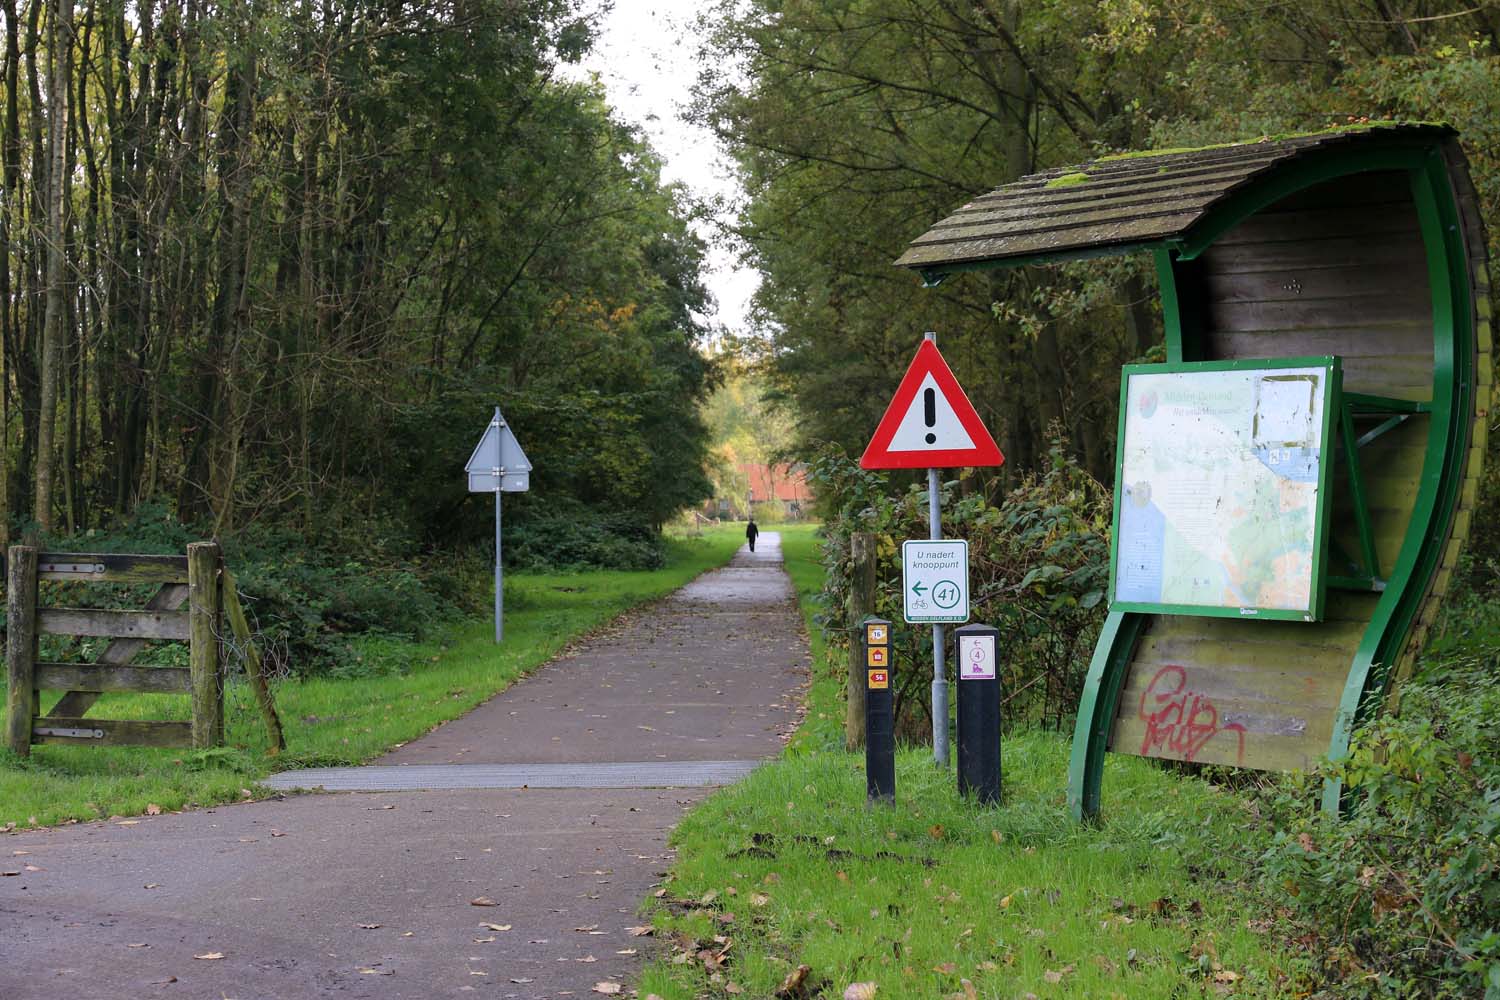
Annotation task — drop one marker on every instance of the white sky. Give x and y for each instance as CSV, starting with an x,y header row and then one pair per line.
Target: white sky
x,y
646,57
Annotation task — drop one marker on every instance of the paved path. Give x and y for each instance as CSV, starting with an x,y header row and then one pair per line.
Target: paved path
x,y
368,894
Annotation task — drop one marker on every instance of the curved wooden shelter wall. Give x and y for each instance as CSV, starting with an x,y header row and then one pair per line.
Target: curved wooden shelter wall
x,y
1339,268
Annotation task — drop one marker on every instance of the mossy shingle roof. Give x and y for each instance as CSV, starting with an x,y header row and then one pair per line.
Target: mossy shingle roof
x,y
1117,203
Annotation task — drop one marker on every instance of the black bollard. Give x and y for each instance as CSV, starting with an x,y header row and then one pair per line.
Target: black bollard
x,y
979,712
880,727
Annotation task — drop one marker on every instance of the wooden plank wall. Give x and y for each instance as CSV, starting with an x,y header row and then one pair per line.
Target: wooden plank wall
x,y
1339,269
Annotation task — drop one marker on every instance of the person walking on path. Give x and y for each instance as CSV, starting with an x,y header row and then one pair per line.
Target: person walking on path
x,y
751,533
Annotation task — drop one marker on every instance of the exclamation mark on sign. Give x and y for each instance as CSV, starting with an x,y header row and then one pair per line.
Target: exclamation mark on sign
x,y
929,411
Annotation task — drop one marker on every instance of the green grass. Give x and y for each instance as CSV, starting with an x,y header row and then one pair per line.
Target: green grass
x,y
793,868
393,691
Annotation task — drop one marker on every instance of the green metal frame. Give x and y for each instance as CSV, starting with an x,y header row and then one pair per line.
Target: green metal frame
x,y
1442,470
1321,514
1421,552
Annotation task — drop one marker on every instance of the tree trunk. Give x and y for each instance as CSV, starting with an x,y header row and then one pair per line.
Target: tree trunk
x,y
59,47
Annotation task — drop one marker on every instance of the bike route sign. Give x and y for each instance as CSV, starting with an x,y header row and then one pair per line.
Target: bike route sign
x,y
935,581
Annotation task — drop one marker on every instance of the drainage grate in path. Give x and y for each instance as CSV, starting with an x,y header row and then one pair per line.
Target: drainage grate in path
x,y
417,777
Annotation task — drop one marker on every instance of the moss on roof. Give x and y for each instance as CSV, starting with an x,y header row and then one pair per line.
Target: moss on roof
x,y
1068,180
1359,126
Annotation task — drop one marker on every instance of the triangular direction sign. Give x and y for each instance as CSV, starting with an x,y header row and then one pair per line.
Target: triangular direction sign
x,y
498,463
930,423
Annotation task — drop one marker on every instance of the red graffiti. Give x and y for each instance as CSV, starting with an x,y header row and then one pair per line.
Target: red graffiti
x,y
1181,721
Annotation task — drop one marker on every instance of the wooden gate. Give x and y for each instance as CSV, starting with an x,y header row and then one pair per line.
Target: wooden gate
x,y
191,580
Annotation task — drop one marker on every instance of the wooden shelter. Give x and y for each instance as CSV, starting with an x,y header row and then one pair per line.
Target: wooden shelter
x,y
1365,244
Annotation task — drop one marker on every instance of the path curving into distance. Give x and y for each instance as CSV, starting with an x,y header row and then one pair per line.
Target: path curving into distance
x,y
553,800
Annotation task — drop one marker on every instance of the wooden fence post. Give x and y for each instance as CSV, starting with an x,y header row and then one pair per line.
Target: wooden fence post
x,y
20,648
861,605
203,626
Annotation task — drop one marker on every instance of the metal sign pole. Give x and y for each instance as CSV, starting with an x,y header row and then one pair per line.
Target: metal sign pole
x,y
500,585
939,667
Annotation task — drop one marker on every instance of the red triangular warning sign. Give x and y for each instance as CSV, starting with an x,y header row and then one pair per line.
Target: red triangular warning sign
x,y
930,423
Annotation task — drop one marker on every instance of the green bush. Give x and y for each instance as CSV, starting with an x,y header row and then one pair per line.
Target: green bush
x,y
305,602
1402,898
569,535
1038,570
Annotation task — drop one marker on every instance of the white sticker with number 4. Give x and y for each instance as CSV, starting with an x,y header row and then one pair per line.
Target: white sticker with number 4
x,y
976,657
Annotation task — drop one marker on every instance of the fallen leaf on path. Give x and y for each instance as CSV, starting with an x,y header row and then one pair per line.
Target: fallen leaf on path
x,y
138,944
152,809
860,991
640,931
496,927
210,956
377,972
278,833
367,927
482,901
9,874
33,868
484,940
587,927
163,982
586,958
608,988
152,885
128,822
627,951
523,980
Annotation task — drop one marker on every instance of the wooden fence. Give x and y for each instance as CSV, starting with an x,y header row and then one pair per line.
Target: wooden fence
x,y
192,580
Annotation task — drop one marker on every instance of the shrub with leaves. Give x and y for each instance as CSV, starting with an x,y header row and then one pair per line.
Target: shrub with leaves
x,y
1038,571
1402,897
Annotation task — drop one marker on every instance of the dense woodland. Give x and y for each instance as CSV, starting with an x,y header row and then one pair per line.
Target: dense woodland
x,y
859,125
275,263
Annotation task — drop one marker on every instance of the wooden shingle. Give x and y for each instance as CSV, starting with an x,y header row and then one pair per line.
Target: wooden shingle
x,y
1118,203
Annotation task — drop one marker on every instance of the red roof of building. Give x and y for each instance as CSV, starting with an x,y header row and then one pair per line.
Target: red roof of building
x,y
787,483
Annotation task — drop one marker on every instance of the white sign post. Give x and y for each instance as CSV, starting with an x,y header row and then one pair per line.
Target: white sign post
x,y
935,581
498,465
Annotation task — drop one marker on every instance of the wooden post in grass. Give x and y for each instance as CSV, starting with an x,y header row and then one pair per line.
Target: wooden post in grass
x,y
20,648
203,661
254,669
861,606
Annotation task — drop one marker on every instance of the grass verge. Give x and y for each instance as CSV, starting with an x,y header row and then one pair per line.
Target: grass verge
x,y
391,691
939,897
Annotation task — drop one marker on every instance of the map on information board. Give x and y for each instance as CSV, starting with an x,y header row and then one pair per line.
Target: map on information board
x,y
1222,488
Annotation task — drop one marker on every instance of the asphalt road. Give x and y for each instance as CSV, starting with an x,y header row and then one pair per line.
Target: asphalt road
x,y
370,894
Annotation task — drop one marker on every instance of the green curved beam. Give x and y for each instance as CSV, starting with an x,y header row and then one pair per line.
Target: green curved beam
x,y
1442,470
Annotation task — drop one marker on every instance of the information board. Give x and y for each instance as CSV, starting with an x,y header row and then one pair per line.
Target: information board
x,y
1222,488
